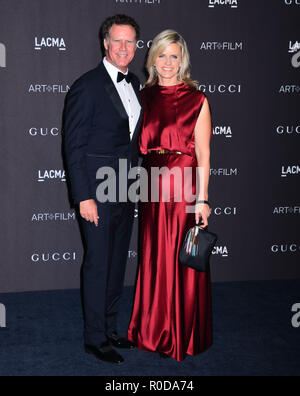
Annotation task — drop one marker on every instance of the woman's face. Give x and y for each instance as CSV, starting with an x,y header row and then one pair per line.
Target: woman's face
x,y
168,64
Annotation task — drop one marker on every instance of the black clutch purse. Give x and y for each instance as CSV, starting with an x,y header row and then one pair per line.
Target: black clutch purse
x,y
197,248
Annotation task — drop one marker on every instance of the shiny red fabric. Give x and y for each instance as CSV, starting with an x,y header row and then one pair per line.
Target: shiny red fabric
x,y
170,117
172,311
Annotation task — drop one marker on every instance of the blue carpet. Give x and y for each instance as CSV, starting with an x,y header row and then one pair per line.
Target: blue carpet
x,y
253,335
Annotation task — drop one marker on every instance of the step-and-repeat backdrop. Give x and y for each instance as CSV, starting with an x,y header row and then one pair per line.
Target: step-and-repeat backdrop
x,y
245,54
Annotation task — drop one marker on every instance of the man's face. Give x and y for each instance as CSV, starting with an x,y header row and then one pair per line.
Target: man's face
x,y
121,46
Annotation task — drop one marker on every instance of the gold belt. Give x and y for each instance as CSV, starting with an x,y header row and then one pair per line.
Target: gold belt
x,y
163,152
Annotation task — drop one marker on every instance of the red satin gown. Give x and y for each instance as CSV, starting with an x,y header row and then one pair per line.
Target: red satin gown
x,y
172,311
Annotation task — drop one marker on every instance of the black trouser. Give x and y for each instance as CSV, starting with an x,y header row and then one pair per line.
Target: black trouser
x,y
106,253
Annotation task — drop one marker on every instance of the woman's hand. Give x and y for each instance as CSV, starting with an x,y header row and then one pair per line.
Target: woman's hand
x,y
204,211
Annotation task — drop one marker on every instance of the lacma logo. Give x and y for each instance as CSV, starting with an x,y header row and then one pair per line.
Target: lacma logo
x,y
231,3
223,131
49,42
51,175
220,251
290,170
2,55
294,47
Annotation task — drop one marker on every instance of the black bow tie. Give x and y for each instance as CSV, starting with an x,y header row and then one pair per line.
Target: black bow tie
x,y
127,77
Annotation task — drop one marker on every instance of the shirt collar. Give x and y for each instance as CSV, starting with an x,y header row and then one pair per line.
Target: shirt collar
x,y
112,70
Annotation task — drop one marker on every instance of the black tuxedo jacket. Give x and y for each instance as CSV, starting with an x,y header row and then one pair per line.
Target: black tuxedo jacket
x,y
96,128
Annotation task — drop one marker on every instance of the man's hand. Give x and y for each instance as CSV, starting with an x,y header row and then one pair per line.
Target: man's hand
x,y
89,211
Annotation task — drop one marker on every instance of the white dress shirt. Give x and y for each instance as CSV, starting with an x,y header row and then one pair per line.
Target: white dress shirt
x,y
127,95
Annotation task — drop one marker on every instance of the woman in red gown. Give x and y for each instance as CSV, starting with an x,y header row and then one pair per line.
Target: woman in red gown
x,y
172,312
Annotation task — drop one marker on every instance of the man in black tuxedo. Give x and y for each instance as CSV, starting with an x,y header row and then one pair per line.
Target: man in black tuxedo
x,y
103,117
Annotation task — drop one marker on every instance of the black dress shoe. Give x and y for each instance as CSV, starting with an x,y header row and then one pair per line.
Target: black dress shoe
x,y
105,353
119,342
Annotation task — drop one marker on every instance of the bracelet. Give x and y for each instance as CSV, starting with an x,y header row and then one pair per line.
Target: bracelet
x,y
203,202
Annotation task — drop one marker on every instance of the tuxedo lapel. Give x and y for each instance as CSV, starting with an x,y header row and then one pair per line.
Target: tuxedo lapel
x,y
138,126
136,87
113,93
137,91
116,100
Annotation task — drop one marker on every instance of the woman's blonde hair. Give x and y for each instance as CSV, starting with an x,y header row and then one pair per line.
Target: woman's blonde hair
x,y
160,43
